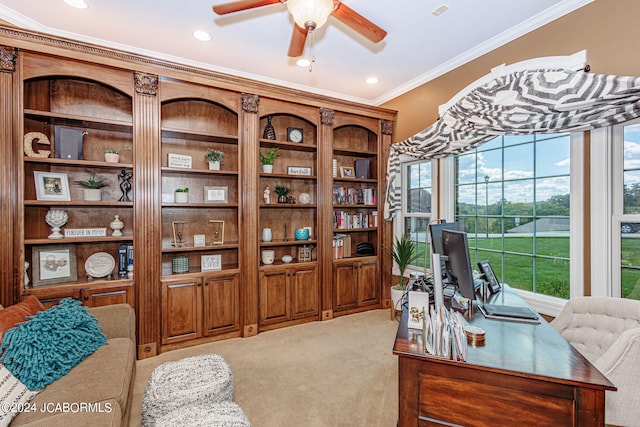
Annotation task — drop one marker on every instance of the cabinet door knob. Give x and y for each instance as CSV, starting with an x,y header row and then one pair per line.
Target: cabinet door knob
x,y
206,283
199,284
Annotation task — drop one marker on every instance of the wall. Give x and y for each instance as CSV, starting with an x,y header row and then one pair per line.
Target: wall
x,y
606,29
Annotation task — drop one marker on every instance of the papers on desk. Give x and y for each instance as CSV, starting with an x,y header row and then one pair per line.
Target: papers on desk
x,y
443,334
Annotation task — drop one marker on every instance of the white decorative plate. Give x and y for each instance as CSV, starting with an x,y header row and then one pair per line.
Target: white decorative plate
x,y
304,198
100,264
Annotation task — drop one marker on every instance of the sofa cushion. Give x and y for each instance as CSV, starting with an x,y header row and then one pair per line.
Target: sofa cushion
x,y
106,374
52,342
17,313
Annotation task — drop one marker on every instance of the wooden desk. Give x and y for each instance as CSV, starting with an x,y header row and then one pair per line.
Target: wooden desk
x,y
524,373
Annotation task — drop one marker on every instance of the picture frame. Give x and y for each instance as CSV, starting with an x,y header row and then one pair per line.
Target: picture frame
x,y
53,264
216,194
177,227
51,186
217,235
347,172
299,170
199,240
490,275
182,161
211,262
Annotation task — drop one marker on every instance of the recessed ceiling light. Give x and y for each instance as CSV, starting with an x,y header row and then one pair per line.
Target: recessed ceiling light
x,y
371,80
203,36
439,10
303,62
78,4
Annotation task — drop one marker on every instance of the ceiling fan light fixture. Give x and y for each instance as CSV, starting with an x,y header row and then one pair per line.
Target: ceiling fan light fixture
x,y
78,4
203,36
303,62
310,13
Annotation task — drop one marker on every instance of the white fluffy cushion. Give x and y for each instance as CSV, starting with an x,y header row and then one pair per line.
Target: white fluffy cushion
x,y
14,396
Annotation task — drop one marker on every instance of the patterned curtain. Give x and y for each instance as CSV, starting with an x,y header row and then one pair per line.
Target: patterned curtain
x,y
520,102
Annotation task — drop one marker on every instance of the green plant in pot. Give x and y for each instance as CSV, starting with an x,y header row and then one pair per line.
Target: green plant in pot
x,y
182,195
215,158
268,159
282,192
403,252
92,187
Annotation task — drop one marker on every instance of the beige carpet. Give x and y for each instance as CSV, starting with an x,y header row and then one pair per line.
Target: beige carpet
x,y
339,372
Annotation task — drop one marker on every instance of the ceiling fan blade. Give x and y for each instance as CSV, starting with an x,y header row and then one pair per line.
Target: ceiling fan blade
x,y
359,23
298,39
236,6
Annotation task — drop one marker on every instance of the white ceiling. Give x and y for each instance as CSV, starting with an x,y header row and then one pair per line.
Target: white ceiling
x,y
254,43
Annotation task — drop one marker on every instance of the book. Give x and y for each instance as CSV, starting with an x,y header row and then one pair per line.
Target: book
x,y
122,262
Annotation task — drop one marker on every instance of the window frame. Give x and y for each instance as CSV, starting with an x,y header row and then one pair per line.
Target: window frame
x,y
399,223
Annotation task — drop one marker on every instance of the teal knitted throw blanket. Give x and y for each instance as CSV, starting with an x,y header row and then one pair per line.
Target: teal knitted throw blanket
x,y
50,343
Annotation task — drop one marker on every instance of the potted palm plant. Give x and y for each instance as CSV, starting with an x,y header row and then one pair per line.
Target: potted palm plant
x,y
403,253
268,159
92,187
215,159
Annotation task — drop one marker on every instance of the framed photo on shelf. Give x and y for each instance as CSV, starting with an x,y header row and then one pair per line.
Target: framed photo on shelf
x,y
54,264
51,186
198,240
216,194
179,161
346,172
217,236
299,170
211,262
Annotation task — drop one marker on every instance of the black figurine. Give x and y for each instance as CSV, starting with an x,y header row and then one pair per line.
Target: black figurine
x,y
125,184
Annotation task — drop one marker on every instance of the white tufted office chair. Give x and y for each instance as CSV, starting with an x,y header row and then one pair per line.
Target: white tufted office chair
x,y
607,332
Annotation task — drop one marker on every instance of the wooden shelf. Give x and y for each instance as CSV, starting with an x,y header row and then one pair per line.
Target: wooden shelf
x,y
79,163
168,170
80,121
355,180
285,145
79,203
46,241
287,176
355,153
356,206
168,132
288,206
291,242
200,205
173,249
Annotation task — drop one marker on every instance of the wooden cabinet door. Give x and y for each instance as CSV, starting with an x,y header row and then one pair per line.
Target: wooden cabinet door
x,y
275,300
181,310
305,299
108,296
368,283
221,304
345,286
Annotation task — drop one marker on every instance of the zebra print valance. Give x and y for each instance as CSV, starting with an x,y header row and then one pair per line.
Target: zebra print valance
x,y
515,103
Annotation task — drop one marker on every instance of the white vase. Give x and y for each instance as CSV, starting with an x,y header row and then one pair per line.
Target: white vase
x,y
267,168
116,225
266,235
182,197
396,297
268,256
214,166
56,218
92,194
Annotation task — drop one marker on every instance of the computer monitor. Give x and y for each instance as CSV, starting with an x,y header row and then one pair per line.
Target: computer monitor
x,y
455,248
435,234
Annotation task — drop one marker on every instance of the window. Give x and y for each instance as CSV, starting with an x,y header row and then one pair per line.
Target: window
x,y
626,210
513,197
418,207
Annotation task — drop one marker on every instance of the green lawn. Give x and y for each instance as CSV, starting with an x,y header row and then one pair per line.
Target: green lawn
x,y
552,275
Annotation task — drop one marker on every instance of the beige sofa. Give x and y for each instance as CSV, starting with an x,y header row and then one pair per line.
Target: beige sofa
x,y
96,392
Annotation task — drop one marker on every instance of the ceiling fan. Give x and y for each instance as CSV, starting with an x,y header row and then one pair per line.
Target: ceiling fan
x,y
310,15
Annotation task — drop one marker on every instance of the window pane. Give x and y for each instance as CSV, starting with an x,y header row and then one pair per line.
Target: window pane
x,y
521,243
632,192
630,259
552,277
418,194
518,162
552,197
491,144
518,197
466,200
489,165
466,168
416,228
632,169
517,139
553,157
554,244
518,271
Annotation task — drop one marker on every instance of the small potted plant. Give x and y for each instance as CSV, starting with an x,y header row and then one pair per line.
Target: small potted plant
x,y
282,192
215,159
403,253
182,195
111,156
268,159
92,187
